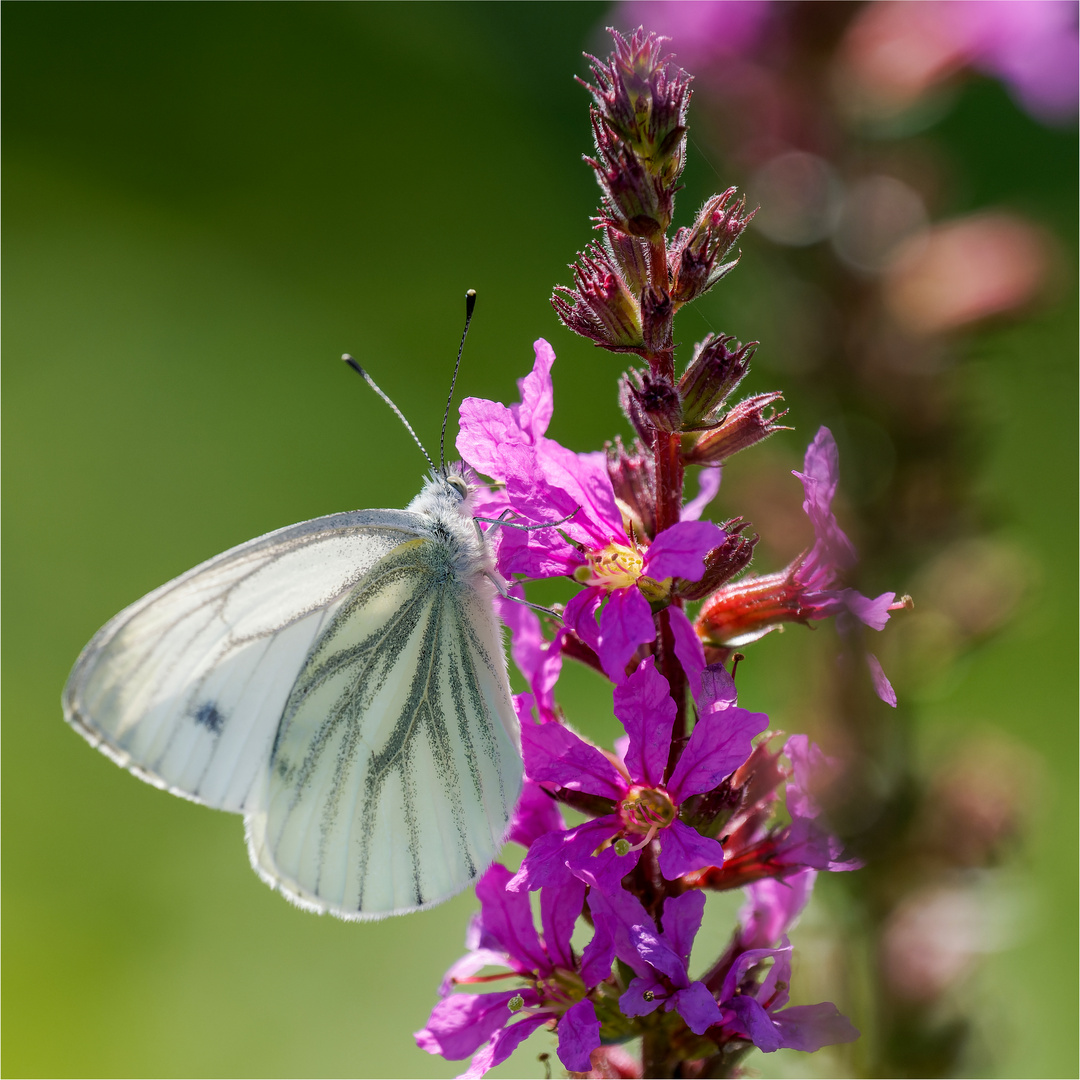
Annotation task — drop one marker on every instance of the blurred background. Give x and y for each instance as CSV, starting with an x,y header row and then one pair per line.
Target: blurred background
x,y
206,204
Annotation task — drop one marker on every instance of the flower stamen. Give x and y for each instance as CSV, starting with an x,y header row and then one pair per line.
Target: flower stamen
x,y
645,810
616,566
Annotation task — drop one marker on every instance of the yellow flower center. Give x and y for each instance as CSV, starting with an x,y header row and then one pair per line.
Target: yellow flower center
x,y
645,809
614,567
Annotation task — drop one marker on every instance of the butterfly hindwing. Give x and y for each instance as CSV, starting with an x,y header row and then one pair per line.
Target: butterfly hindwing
x,y
396,765
186,686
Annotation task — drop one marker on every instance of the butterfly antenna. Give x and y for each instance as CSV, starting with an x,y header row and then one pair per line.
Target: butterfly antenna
x,y
400,415
470,304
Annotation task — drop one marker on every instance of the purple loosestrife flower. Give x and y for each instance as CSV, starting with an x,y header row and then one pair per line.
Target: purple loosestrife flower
x,y
1030,45
755,1010
809,841
754,847
746,610
753,1006
643,807
543,481
504,935
659,960
702,32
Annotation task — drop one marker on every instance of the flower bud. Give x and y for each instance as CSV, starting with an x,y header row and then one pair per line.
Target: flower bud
x,y
630,255
732,557
749,609
695,253
601,307
712,375
657,312
633,478
649,402
748,423
642,97
634,201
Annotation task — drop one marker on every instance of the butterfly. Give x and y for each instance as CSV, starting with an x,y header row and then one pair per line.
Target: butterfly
x,y
341,683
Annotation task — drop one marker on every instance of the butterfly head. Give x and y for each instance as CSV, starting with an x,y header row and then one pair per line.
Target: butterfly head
x,y
448,490
457,484
456,479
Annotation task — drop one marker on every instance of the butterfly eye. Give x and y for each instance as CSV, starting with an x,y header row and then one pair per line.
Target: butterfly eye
x,y
458,484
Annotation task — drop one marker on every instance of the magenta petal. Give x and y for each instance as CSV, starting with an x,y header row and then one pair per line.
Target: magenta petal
x,y
536,813
772,907
743,963
635,935
598,956
882,685
625,623
698,1008
555,754
560,906
688,648
462,1022
708,486
523,706
717,690
580,616
606,869
820,475
821,466
643,704
810,1027
526,639
755,1023
490,440
633,1001
679,551
536,553
683,850
579,1036
774,987
502,1045
682,921
808,761
538,659
547,675
719,744
537,393
874,613
579,481
549,856
806,843
507,919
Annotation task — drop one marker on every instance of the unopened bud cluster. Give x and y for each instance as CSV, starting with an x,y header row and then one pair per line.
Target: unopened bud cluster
x,y
628,286
696,405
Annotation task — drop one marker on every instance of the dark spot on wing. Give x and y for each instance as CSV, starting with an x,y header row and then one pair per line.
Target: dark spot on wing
x,y
208,716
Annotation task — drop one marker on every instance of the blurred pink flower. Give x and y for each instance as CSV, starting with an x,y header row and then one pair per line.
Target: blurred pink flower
x,y
896,50
701,31
961,271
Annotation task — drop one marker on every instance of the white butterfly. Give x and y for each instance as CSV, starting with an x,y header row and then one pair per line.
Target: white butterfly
x,y
342,684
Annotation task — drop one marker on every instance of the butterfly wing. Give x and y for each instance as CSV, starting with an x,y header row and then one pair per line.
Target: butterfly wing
x,y
186,687
396,764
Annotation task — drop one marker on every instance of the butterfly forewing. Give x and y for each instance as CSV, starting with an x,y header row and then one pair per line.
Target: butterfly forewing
x,y
186,686
396,764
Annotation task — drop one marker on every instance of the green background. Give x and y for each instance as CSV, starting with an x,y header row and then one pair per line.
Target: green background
x,y
206,204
